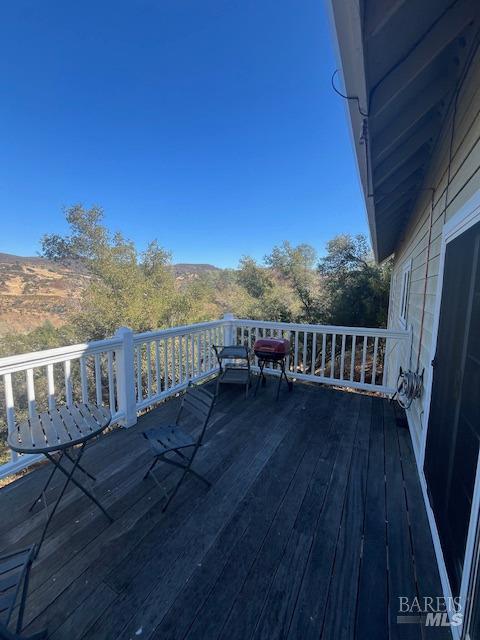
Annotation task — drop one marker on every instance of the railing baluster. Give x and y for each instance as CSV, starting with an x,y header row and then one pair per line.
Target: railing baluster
x,y
175,361
187,358
204,344
352,362
165,364
209,349
149,369
295,353
199,356
139,374
342,357
332,356
314,353
374,363
192,351
384,363
10,409
364,359
158,372
111,386
84,379
98,379
305,352
31,393
180,359
324,353
50,387
288,337
68,382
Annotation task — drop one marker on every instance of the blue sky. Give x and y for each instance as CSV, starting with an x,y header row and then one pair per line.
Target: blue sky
x,y
210,125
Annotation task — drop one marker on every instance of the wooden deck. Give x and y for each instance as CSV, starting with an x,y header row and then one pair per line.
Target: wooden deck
x,y
313,527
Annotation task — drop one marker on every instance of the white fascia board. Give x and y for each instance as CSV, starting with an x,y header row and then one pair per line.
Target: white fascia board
x,y
346,28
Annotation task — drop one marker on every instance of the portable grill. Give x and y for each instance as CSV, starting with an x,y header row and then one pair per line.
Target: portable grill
x,y
276,351
271,348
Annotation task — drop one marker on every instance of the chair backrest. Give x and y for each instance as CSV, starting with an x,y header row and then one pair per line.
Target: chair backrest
x,y
198,401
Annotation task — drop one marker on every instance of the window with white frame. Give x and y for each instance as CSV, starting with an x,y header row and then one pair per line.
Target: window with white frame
x,y
405,290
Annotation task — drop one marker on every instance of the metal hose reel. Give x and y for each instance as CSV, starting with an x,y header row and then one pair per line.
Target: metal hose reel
x,y
409,387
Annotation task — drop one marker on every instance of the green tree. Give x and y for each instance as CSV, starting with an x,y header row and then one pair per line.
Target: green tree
x,y
127,287
296,266
355,288
88,236
255,279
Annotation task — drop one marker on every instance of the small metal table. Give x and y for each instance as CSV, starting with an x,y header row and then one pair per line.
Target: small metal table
x,y
59,431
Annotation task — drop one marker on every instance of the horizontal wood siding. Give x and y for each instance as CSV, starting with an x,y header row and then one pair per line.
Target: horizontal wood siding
x,y
452,188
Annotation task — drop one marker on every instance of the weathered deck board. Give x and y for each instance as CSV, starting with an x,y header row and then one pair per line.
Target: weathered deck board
x,y
401,569
312,528
372,601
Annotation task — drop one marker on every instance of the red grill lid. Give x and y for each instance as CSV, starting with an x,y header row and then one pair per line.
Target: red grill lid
x,y
275,346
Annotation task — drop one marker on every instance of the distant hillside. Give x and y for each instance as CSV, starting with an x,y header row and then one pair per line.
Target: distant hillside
x,y
186,271
33,289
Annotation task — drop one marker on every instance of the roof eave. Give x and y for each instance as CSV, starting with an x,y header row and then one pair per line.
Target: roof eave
x,y
346,23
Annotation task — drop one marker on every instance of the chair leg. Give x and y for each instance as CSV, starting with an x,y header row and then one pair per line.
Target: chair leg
x,y
200,477
150,468
177,486
187,466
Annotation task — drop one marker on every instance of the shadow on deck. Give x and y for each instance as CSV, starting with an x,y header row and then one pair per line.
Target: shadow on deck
x,y
313,527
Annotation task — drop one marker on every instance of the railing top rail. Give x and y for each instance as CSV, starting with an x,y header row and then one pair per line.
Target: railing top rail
x,y
22,361
323,328
176,331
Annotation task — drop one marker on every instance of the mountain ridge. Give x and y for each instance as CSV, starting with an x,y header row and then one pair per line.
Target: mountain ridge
x,y
34,289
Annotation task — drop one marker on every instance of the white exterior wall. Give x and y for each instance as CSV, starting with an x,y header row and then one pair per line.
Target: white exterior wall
x,y
453,187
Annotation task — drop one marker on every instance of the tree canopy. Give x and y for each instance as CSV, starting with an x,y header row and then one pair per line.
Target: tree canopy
x,y
130,287
356,289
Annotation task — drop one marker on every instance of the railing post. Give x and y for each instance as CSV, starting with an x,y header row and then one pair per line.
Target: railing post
x,y
228,329
127,403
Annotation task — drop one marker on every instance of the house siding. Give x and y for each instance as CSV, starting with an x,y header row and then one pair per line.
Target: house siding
x,y
454,175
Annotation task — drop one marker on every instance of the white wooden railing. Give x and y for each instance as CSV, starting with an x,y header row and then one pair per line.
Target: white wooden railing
x,y
354,357
130,373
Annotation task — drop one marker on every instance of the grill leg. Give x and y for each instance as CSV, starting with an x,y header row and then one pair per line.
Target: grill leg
x,y
280,379
283,374
261,364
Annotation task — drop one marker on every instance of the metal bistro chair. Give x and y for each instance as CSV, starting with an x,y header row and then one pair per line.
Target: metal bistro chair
x,y
14,574
170,439
236,372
